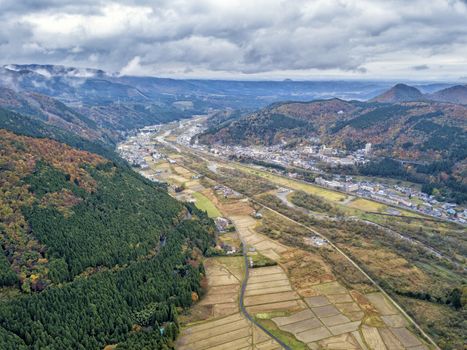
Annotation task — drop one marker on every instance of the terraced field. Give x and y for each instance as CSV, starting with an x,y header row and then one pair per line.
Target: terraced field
x,y
299,300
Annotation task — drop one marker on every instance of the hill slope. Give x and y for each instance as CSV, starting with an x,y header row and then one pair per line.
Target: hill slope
x,y
50,111
433,133
399,93
100,248
454,94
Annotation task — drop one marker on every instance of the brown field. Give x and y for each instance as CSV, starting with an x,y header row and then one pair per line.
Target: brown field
x,y
301,295
224,276
266,285
267,290
270,298
305,270
292,305
373,338
390,340
394,321
266,271
330,288
344,341
382,304
266,246
269,277
405,337
314,334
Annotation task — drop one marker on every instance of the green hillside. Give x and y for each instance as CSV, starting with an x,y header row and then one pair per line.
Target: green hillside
x,y
93,254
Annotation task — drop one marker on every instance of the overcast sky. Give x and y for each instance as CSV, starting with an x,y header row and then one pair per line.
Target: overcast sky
x,y
243,39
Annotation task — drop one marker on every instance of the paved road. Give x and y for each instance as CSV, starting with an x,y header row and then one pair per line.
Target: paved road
x,y
242,295
412,321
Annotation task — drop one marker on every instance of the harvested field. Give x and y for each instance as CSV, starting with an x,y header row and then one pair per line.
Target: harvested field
x,y
340,342
270,298
297,317
394,321
302,326
345,328
373,338
325,311
266,246
267,284
232,332
268,278
383,306
346,308
330,288
266,271
340,298
319,300
334,320
292,305
223,289
312,335
390,339
257,291
405,337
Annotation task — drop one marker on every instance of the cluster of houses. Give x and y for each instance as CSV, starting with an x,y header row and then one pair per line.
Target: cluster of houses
x,y
133,151
315,241
303,157
226,191
397,195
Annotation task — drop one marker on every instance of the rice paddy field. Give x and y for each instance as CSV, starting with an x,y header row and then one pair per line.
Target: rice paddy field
x,y
301,300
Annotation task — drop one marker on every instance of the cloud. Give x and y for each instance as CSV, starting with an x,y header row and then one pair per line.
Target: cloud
x,y
238,38
420,67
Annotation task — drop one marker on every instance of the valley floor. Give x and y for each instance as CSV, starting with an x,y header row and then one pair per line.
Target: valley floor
x,y
297,298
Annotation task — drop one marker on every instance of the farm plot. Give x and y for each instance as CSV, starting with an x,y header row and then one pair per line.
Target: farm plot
x,y
266,246
203,203
231,332
336,318
223,277
269,290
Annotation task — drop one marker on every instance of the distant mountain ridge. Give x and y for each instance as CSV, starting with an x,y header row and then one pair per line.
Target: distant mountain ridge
x,y
405,93
454,94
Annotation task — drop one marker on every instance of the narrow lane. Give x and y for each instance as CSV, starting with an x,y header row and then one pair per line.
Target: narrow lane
x,y
242,295
398,307
410,319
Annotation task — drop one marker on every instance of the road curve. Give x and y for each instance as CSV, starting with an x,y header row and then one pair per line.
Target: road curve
x,y
412,321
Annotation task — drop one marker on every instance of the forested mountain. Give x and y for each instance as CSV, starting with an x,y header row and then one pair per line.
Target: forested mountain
x,y
403,93
50,111
28,126
399,93
121,103
432,134
92,254
453,94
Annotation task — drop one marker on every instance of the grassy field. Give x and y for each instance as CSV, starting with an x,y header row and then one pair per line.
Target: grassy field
x,y
203,203
296,185
366,205
286,337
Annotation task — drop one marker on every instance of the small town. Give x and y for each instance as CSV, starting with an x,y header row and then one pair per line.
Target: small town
x,y
137,147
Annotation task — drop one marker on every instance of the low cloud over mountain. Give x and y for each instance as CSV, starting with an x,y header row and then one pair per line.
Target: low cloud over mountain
x,y
269,38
